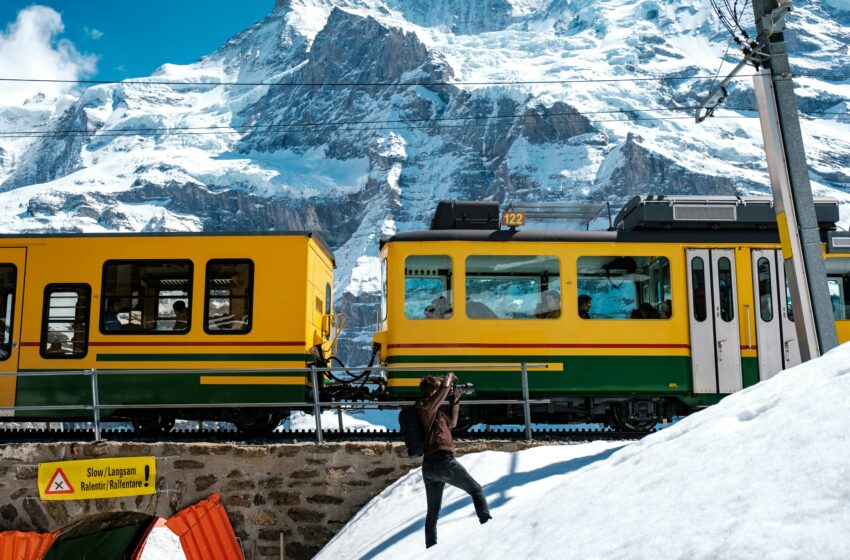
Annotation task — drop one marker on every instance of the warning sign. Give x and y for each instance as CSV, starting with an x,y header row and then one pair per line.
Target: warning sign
x,y
58,484
97,478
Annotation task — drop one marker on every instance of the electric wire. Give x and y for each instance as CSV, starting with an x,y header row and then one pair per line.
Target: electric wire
x,y
373,126
146,82
377,121
152,82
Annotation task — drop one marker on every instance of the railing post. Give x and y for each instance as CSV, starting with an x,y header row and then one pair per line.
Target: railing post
x,y
339,417
525,405
317,409
95,400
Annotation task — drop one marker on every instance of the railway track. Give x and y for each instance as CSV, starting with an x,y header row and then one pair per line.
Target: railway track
x,y
24,435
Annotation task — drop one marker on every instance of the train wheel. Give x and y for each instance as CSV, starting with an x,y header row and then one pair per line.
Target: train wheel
x,y
258,421
624,416
153,422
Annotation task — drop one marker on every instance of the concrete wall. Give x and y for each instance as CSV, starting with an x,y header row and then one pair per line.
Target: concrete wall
x,y
306,490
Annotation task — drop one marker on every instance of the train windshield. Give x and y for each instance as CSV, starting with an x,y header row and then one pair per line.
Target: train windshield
x,y
624,287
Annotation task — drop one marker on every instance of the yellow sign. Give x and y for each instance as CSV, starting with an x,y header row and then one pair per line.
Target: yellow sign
x,y
513,218
97,478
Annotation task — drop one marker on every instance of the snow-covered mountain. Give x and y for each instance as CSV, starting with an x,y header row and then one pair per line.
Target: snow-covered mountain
x,y
479,99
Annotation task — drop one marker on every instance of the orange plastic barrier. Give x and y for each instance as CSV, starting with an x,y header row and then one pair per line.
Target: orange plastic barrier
x,y
205,531
18,545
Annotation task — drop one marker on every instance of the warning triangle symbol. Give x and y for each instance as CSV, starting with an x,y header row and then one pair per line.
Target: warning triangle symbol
x,y
59,484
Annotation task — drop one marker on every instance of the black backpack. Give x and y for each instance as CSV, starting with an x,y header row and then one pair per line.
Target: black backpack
x,y
411,431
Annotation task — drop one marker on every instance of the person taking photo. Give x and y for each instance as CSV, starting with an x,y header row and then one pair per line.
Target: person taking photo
x,y
439,466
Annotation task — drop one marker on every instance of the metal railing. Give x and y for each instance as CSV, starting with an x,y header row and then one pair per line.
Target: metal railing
x,y
315,381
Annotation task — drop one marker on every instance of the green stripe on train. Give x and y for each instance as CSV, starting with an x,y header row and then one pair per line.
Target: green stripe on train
x,y
669,375
582,375
145,388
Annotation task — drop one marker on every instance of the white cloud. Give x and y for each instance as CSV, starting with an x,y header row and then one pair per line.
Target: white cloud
x,y
93,33
29,49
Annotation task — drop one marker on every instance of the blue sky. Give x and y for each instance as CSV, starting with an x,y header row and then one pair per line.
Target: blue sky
x,y
133,37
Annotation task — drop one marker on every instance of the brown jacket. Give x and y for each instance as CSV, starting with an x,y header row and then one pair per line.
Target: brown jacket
x,y
440,438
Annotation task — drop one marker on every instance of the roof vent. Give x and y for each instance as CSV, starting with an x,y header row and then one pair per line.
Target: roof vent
x,y
459,214
698,213
711,213
838,242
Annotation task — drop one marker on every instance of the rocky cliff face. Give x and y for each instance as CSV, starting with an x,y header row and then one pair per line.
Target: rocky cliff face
x,y
355,116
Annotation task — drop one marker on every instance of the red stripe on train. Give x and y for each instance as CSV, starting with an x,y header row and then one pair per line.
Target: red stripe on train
x,y
239,343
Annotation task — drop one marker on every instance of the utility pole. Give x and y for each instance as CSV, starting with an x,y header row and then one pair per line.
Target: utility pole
x,y
802,249
796,220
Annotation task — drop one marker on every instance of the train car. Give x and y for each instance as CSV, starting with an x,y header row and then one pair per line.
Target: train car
x,y
196,317
682,302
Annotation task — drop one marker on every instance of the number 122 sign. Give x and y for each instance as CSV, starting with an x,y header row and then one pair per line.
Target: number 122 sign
x,y
513,218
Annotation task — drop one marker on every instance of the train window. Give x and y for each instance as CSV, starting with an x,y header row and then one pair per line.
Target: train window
x,y
789,309
229,300
725,289
65,321
698,286
513,287
765,295
838,279
8,283
383,289
624,287
328,299
146,297
428,287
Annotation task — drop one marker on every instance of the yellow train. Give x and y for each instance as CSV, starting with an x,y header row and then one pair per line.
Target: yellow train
x,y
220,307
682,303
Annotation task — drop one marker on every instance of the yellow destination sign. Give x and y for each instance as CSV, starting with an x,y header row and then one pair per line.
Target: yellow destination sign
x,y
97,478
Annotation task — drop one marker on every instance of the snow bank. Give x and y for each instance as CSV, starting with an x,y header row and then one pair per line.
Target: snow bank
x,y
330,421
763,474
162,544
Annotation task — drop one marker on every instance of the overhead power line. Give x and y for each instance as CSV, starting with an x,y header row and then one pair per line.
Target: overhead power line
x,y
380,124
151,82
335,128
375,121
147,82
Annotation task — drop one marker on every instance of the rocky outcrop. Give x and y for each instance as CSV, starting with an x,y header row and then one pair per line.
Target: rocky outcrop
x,y
58,152
634,170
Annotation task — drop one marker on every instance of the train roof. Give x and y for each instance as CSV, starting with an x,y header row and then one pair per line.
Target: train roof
x,y
308,234
666,219
540,236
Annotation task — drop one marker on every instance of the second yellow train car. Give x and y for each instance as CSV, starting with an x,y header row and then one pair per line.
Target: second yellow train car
x,y
683,302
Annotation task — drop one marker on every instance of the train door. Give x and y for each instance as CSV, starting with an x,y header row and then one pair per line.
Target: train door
x,y
715,332
12,266
777,338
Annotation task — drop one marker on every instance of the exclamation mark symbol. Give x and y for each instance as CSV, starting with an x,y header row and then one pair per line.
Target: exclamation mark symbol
x,y
147,475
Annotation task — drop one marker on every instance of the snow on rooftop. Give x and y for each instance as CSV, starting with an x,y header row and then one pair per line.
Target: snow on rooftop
x,y
762,474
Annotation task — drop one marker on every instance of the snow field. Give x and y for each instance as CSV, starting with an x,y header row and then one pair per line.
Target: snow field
x,y
763,474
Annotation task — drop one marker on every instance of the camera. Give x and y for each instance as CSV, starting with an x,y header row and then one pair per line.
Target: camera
x,y
465,388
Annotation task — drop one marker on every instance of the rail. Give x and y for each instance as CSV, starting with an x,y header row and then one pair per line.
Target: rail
x,y
95,406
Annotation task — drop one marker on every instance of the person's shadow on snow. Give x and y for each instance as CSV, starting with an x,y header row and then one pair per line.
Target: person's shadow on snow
x,y
498,487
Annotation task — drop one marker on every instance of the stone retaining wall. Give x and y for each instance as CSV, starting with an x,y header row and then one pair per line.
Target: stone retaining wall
x,y
306,490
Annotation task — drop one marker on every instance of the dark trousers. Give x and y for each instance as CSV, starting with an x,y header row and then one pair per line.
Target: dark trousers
x,y
436,475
